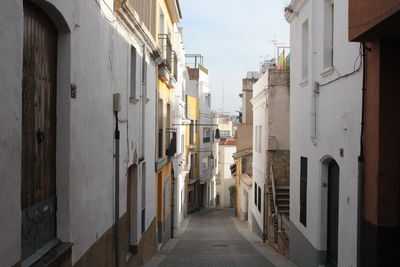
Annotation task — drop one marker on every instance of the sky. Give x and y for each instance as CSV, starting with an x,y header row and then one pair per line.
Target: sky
x,y
233,36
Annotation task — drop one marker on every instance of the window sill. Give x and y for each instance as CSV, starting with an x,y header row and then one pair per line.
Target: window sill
x,y
54,253
304,83
327,71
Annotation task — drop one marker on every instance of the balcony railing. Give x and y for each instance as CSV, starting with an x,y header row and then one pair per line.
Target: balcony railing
x,y
175,60
171,148
160,143
166,50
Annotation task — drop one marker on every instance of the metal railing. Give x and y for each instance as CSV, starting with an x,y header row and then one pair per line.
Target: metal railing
x,y
160,143
175,62
171,147
273,189
166,50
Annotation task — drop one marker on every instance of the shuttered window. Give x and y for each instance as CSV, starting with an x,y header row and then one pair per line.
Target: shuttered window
x,y
255,193
133,95
303,191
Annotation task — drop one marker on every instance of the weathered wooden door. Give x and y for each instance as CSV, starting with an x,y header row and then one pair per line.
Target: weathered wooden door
x,y
333,214
38,188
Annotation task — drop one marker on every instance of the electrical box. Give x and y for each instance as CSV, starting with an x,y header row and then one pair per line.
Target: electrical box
x,y
117,102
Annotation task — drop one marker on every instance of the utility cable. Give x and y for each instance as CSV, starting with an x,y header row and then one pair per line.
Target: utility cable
x,y
359,58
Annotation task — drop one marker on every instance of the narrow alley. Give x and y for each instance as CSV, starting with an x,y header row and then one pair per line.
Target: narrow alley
x,y
183,133
214,237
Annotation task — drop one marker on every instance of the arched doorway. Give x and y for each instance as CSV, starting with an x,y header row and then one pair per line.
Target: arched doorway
x,y
332,214
39,88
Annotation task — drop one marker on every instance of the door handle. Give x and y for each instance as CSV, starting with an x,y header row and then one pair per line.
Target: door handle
x,y
39,136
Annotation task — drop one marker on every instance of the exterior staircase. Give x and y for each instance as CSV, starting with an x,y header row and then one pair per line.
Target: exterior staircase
x,y
282,200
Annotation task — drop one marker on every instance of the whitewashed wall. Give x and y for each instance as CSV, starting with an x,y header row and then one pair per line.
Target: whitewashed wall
x,y
259,156
225,159
179,111
338,126
98,53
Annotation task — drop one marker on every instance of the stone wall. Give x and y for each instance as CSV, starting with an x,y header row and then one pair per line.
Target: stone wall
x,y
279,159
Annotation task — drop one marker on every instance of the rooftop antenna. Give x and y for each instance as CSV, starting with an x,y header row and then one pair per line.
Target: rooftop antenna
x,y
223,97
276,43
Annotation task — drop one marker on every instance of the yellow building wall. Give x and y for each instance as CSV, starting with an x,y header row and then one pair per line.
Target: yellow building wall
x,y
238,163
166,95
167,23
163,175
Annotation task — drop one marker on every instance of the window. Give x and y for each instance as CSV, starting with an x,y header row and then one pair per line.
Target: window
x,y
303,191
304,48
244,165
205,163
144,74
206,135
160,127
191,132
258,139
259,199
133,73
168,127
196,160
255,193
162,21
224,133
208,100
328,33
182,143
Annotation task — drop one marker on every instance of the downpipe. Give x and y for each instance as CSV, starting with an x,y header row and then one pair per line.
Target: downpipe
x,y
116,200
361,161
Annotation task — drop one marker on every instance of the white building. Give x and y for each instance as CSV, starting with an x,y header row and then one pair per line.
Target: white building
x,y
207,149
92,57
227,147
208,145
179,121
325,112
271,154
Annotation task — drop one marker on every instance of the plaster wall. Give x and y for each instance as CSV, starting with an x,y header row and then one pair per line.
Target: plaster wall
x,y
98,54
259,104
179,113
244,136
11,45
338,113
225,159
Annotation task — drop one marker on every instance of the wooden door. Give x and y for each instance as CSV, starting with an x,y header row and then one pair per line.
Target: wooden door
x,y
38,185
333,213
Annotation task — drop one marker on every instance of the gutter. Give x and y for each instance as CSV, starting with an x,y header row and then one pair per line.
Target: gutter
x,y
361,163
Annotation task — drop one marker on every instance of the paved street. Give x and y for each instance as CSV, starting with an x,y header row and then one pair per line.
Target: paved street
x,y
213,239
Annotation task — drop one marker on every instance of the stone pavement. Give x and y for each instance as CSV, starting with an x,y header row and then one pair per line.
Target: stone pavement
x,y
212,237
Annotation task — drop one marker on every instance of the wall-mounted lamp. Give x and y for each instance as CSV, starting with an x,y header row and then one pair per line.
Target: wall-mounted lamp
x,y
217,134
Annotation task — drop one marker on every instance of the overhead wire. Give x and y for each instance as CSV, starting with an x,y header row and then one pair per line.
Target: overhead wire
x,y
355,70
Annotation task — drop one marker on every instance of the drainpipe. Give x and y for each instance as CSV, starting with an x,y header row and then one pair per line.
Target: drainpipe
x,y
314,84
116,200
361,162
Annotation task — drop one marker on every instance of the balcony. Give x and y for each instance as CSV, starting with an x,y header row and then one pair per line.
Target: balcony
x,y
171,145
166,51
175,60
160,143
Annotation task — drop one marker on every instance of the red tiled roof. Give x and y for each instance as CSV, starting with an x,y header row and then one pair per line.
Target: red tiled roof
x,y
227,141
